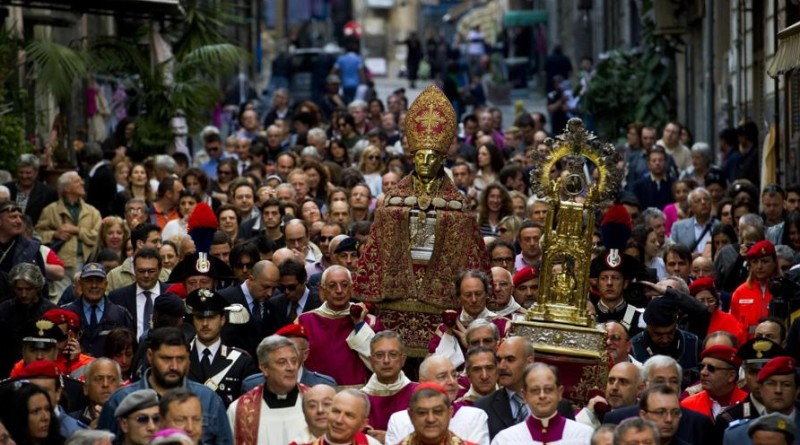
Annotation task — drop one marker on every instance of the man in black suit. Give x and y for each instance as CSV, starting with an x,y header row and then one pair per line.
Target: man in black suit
x,y
97,314
30,195
102,185
253,294
506,407
295,297
138,297
211,362
693,427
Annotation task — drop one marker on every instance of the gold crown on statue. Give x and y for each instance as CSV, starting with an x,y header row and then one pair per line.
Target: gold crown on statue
x,y
431,122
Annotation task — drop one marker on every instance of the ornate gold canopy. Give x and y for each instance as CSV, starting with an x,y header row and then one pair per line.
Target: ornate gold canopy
x,y
567,238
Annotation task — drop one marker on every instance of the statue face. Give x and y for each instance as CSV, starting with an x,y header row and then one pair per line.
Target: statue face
x,y
428,163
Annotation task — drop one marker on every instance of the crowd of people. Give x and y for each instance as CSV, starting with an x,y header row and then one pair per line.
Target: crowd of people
x,y
211,299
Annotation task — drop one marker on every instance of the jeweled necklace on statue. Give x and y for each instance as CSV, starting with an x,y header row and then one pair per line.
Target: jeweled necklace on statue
x,y
426,192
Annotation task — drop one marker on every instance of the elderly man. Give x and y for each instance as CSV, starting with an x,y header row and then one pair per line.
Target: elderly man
x,y
339,213
543,393
20,312
70,223
430,412
719,374
253,294
317,402
30,194
778,389
345,253
339,332
18,247
346,420
662,370
97,314
326,235
296,234
526,286
472,291
168,354
103,377
502,280
623,386
467,422
636,430
618,344
661,406
695,232
138,417
388,389
297,334
481,370
278,401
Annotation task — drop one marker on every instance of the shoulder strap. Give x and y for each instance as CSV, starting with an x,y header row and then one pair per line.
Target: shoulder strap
x,y
214,381
627,319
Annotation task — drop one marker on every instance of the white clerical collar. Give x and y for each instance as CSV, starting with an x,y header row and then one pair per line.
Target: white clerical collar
x,y
509,308
375,387
485,314
328,440
545,421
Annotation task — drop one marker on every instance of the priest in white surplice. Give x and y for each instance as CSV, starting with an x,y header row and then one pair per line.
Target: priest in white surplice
x,y
545,425
272,413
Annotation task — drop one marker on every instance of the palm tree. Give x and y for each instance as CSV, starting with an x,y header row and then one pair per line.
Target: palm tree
x,y
183,82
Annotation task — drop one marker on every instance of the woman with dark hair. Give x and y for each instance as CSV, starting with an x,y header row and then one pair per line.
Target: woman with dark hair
x,y
122,141
721,236
337,153
227,171
138,187
791,231
312,109
119,346
647,238
228,217
396,163
490,162
376,110
196,180
27,414
317,180
495,204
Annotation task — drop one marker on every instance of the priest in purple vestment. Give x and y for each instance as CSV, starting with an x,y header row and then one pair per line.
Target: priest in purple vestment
x,y
543,391
339,332
389,390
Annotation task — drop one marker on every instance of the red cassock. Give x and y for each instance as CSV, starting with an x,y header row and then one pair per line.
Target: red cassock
x,y
382,407
329,352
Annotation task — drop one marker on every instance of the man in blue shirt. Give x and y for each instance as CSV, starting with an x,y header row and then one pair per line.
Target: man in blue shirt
x,y
350,67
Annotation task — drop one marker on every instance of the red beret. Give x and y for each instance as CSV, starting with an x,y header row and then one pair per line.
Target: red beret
x,y
293,330
38,369
61,316
431,385
178,289
782,365
721,352
760,249
525,274
701,284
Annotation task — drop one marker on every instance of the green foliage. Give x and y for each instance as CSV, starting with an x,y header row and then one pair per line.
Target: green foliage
x,y
12,129
185,82
635,85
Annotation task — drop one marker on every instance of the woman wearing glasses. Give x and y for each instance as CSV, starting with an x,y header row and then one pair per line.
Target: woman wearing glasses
x,y
371,166
227,171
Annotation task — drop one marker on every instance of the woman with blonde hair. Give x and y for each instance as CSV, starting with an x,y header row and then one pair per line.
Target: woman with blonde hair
x,y
520,203
371,165
114,234
121,165
508,229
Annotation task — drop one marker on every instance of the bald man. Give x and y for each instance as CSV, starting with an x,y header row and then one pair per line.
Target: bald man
x,y
503,283
623,387
317,402
253,294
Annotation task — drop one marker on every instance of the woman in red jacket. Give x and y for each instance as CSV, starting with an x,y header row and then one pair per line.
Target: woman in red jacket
x,y
704,290
750,301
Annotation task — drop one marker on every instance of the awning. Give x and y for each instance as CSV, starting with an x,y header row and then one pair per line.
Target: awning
x,y
788,56
138,8
528,17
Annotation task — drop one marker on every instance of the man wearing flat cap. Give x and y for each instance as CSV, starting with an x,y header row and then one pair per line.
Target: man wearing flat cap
x,y
778,385
754,354
96,313
719,374
218,366
662,337
138,417
346,253
750,301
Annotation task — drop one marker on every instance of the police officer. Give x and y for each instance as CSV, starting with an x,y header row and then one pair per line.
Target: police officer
x,y
220,367
754,354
